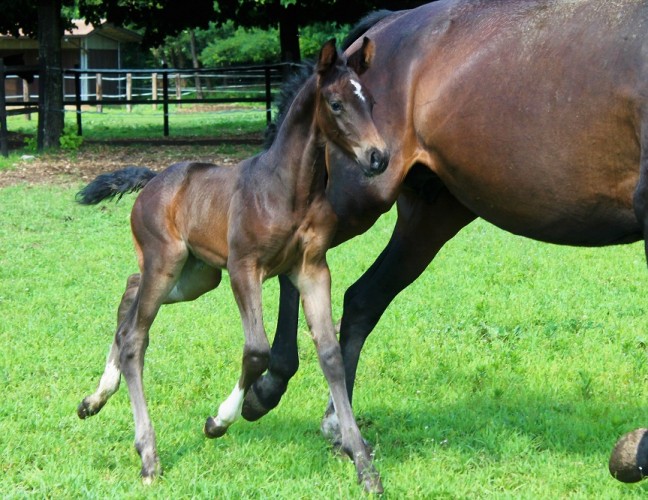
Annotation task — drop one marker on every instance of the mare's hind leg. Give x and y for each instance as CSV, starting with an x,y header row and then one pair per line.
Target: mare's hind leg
x,y
109,383
266,392
629,458
422,228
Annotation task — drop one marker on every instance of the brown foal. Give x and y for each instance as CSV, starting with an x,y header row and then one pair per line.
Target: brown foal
x,y
267,216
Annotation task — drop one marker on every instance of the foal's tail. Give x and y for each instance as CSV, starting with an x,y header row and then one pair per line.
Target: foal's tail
x,y
118,183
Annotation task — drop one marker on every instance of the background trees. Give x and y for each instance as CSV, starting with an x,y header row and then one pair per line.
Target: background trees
x,y
254,27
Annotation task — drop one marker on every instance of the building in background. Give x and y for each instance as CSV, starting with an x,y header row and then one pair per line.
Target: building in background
x,y
84,46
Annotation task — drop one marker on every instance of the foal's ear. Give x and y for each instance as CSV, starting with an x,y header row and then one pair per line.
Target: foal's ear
x,y
361,59
327,57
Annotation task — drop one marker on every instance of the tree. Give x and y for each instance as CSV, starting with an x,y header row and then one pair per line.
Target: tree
x,y
291,15
43,18
51,116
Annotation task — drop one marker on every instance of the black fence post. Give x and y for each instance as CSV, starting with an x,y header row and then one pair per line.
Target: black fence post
x,y
77,100
4,133
165,99
268,96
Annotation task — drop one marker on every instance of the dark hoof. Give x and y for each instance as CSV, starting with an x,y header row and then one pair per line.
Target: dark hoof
x,y
629,458
84,410
213,430
253,408
263,397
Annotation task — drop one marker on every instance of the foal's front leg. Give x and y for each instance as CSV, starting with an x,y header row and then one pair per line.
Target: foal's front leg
x,y
314,283
246,285
267,390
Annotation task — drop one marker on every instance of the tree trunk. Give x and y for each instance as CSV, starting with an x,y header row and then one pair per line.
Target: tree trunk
x,y
50,96
194,60
289,39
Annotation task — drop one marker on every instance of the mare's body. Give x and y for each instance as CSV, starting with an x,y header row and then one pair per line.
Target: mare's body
x,y
532,114
266,216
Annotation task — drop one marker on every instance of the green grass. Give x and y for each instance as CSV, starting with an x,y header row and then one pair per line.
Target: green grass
x,y
507,371
144,122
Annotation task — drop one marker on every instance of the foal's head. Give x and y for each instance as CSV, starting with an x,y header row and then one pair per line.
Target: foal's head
x,y
344,105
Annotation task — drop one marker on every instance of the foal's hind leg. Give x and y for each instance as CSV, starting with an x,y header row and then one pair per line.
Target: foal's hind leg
x,y
109,383
162,265
196,279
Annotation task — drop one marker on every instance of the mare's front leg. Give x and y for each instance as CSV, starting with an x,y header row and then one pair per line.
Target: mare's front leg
x,y
423,226
314,283
266,391
246,285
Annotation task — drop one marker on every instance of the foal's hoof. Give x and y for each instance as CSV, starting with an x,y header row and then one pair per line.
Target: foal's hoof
x,y
85,410
213,430
629,458
372,483
149,477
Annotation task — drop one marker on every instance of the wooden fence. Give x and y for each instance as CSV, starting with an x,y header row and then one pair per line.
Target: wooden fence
x,y
26,74
156,87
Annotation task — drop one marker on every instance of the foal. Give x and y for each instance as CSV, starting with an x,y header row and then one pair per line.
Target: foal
x,y
266,216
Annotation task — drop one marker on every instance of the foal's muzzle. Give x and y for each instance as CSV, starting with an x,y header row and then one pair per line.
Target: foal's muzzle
x,y
378,161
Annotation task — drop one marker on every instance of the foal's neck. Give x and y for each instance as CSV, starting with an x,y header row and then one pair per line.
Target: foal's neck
x,y
297,153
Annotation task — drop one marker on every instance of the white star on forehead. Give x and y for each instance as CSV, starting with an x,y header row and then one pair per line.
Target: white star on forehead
x,y
358,89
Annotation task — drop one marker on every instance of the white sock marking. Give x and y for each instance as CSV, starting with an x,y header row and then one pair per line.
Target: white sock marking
x,y
231,408
109,380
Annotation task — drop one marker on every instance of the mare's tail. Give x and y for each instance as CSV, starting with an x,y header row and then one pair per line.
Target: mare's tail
x,y
118,183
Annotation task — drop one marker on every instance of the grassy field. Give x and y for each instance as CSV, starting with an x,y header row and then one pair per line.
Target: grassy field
x,y
507,371
115,122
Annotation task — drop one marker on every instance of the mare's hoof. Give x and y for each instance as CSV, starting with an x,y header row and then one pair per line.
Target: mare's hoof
x,y
253,409
213,430
629,458
263,397
84,410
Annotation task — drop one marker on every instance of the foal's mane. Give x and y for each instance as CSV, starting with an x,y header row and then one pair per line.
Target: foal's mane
x,y
293,84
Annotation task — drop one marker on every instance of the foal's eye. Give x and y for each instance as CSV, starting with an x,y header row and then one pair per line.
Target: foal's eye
x,y
336,106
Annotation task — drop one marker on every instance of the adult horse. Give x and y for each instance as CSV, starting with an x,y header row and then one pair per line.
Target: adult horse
x,y
531,114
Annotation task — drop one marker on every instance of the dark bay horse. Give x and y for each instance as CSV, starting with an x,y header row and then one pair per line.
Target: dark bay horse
x,y
531,114
268,215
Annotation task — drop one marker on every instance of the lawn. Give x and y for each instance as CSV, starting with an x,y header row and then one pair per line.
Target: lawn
x,y
115,122
507,371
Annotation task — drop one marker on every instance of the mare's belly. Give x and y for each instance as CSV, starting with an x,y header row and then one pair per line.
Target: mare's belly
x,y
572,216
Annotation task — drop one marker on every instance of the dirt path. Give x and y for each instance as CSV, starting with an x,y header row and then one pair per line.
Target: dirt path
x,y
65,168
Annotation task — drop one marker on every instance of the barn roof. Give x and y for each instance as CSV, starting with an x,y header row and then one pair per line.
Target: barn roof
x,y
82,29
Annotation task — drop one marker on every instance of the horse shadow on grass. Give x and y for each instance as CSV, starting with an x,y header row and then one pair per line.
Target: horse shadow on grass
x,y
475,425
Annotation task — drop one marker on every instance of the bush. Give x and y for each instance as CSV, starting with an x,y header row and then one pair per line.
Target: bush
x,y
244,47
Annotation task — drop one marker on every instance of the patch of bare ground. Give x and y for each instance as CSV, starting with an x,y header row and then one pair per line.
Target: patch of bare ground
x,y
83,165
